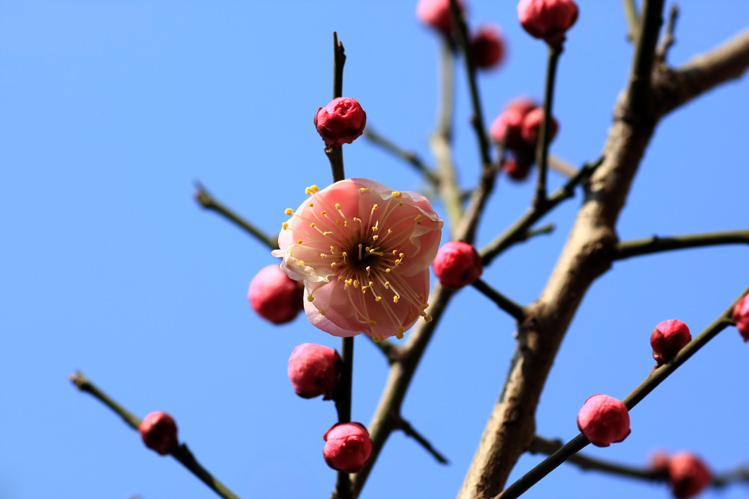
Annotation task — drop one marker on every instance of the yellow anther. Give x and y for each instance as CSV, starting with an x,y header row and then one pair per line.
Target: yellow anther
x,y
312,225
289,212
348,282
338,206
427,318
397,194
332,264
323,312
285,225
310,298
377,338
424,306
375,229
364,189
301,264
368,269
356,219
332,249
340,278
372,323
345,223
356,283
325,233
395,299
299,241
375,237
322,255
400,204
378,299
364,289
387,271
401,255
387,284
400,332
374,207
324,212
311,205
395,252
417,217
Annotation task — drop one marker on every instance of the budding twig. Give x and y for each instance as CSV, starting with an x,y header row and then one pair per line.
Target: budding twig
x,y
542,147
651,382
182,454
655,244
509,306
207,201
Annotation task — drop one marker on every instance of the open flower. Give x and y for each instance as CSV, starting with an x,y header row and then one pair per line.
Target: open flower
x,y
363,251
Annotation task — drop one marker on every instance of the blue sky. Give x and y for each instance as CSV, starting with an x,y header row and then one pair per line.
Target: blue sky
x,y
110,110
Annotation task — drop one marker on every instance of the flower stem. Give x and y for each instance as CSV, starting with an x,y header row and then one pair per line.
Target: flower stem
x,y
542,148
182,454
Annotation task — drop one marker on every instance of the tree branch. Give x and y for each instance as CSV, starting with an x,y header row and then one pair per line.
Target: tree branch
x,y
182,454
542,147
639,84
409,430
207,201
633,21
407,156
509,306
587,255
655,244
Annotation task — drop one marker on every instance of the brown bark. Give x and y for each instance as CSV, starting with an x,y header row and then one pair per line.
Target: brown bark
x,y
587,254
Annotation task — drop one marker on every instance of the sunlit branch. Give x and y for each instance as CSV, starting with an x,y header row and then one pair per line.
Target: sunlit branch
x,y
633,21
182,454
656,377
397,151
207,201
655,244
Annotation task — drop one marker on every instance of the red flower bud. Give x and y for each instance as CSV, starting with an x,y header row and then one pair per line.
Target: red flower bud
x,y
487,47
688,475
741,316
667,339
159,432
313,370
518,165
530,129
659,461
457,264
509,123
547,19
436,13
348,447
604,420
275,296
523,104
341,121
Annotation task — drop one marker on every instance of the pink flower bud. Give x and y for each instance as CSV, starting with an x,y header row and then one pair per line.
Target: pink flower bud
x,y
531,126
604,420
457,264
348,447
436,14
487,47
547,19
667,339
524,104
741,316
509,123
313,370
274,296
341,121
659,461
516,168
159,432
688,475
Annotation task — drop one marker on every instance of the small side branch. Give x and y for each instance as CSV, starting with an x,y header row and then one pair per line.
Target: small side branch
x,y
655,244
633,21
542,149
207,201
509,306
182,454
656,377
409,430
397,151
668,38
639,88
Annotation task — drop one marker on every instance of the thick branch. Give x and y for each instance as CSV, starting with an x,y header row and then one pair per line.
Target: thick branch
x,y
586,255
655,244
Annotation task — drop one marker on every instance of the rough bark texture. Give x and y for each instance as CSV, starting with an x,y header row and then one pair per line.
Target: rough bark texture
x,y
587,254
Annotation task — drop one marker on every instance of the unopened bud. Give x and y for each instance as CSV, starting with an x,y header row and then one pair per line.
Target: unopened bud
x,y
668,338
547,19
159,432
457,264
341,121
347,447
487,47
275,296
437,14
688,475
530,129
604,420
741,316
313,370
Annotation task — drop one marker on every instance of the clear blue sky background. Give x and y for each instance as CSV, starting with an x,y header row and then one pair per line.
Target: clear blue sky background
x,y
110,110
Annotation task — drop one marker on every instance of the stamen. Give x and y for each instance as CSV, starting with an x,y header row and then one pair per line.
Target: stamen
x,y
310,298
364,189
289,211
397,194
360,246
285,225
377,338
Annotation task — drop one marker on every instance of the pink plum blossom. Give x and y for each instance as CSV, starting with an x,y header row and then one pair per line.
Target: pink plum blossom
x,y
313,370
348,447
547,19
668,338
159,432
604,420
741,316
363,251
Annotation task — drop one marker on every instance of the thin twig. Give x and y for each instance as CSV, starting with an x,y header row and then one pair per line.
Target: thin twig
x,y
633,21
207,201
542,147
182,454
538,231
509,306
656,377
397,151
639,88
655,244
515,232
409,430
562,166
387,347
478,116
668,39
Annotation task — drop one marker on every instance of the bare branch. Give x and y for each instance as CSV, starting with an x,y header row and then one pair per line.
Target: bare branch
x,y
655,244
